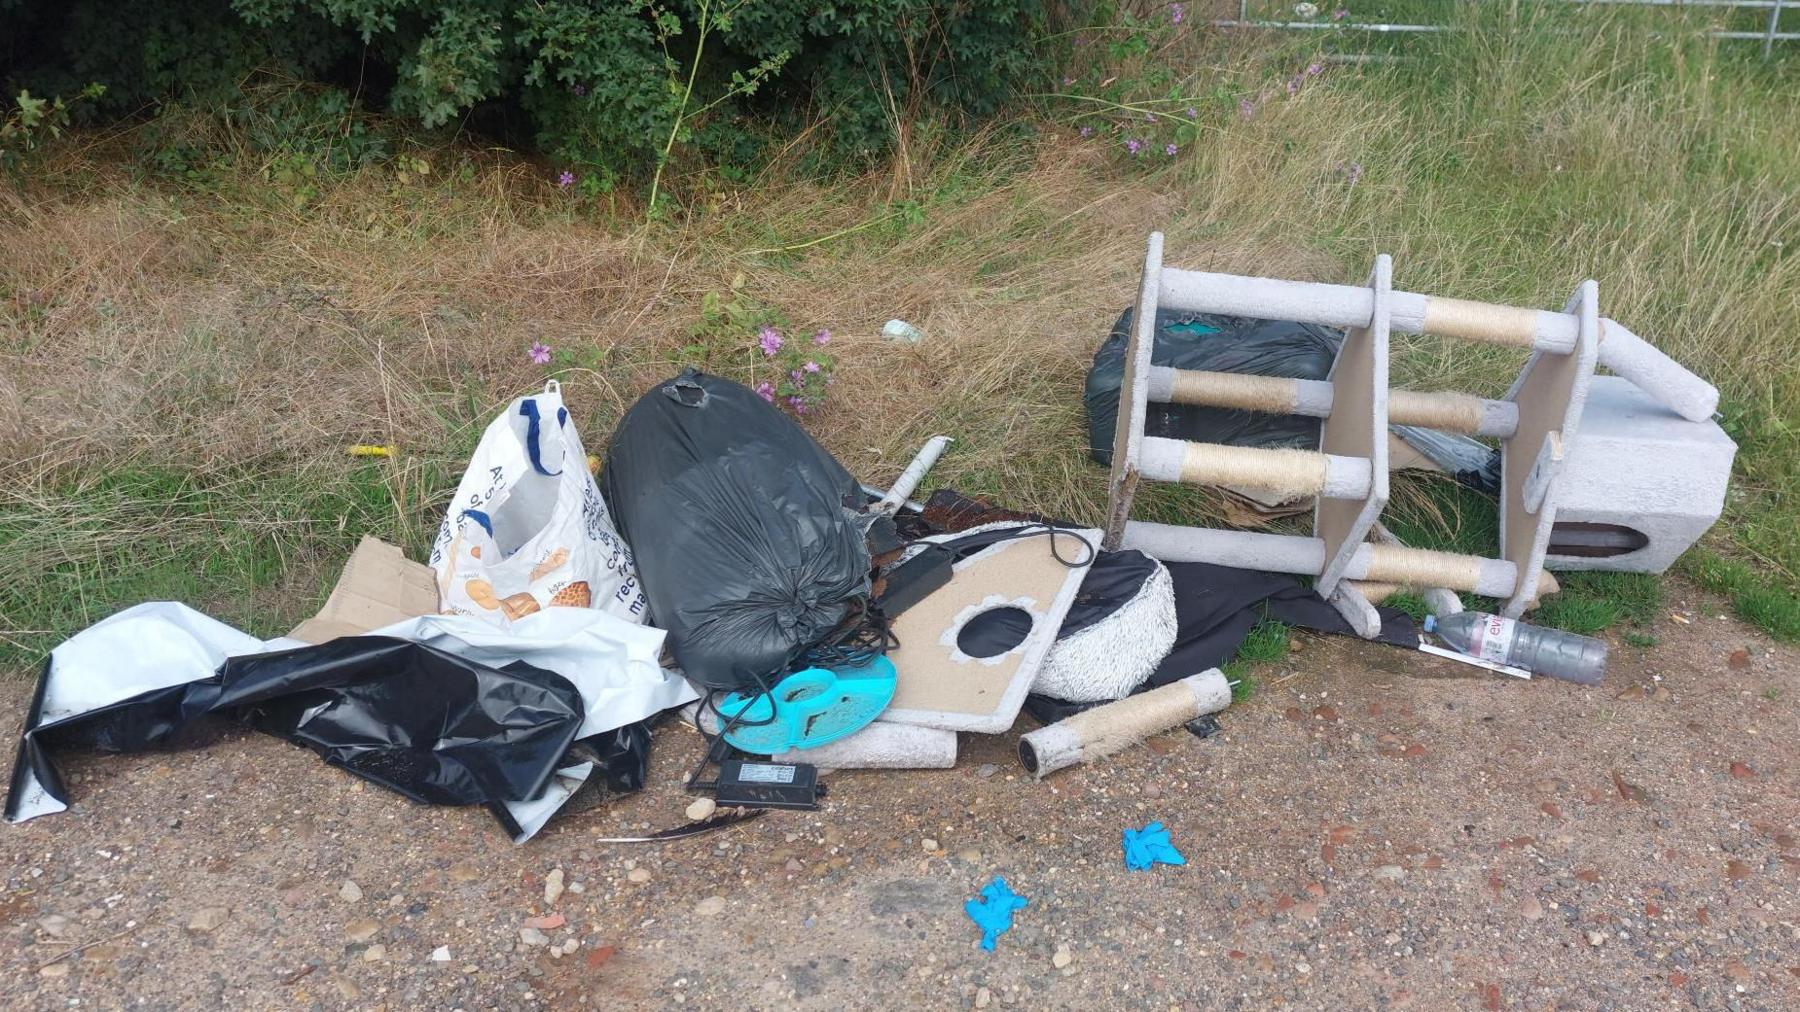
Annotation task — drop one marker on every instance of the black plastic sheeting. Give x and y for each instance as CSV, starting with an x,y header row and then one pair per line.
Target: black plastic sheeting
x,y
1215,608
421,722
743,527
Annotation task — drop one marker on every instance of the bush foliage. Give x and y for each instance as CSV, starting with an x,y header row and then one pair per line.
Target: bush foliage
x,y
617,86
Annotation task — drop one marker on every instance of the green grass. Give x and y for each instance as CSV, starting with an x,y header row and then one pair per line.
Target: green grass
x,y
259,549
1266,642
1754,595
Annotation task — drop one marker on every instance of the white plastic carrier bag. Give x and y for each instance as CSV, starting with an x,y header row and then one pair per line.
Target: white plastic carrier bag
x,y
528,529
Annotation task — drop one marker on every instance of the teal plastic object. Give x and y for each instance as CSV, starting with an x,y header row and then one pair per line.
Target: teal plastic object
x,y
810,708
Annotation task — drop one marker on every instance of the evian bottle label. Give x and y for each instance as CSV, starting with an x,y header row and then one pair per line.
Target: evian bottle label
x,y
1493,638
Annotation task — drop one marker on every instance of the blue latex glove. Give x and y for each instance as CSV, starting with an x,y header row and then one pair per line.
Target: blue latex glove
x,y
993,912
1148,846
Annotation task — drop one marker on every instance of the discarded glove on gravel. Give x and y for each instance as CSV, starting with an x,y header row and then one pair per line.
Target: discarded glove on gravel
x,y
993,912
1150,846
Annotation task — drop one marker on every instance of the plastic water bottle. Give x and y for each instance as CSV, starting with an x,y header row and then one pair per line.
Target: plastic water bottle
x,y
1546,651
901,331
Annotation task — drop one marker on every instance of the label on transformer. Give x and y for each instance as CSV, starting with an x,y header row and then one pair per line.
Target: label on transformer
x,y
765,773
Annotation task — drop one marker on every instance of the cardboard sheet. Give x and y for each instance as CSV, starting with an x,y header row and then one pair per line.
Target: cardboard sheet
x,y
379,587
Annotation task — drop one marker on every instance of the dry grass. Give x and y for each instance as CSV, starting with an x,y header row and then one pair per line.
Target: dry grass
x,y
224,342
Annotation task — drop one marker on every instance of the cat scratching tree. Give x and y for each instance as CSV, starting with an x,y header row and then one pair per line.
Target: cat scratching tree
x,y
1349,472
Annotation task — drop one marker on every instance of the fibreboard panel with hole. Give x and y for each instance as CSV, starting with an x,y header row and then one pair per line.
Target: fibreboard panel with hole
x,y
939,685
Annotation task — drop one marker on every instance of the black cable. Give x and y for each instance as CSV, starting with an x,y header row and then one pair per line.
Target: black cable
x,y
966,543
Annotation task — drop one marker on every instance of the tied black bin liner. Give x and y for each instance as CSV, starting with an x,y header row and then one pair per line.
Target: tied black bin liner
x,y
424,723
1214,343
1209,342
741,525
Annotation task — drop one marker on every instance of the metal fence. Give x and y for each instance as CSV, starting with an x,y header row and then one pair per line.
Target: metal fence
x,y
1769,35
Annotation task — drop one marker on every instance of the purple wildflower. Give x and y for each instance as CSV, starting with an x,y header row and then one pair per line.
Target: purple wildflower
x,y
1293,86
1087,131
811,366
798,403
1134,145
539,353
769,340
1353,171
1170,149
566,180
1067,80
1193,113
1314,69
1176,13
822,338
796,375
579,90
766,391
1340,14
1246,108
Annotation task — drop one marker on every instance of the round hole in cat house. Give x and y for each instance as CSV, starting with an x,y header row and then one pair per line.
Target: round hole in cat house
x,y
994,632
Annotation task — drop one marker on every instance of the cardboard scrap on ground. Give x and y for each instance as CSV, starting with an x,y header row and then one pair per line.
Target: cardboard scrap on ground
x,y
379,586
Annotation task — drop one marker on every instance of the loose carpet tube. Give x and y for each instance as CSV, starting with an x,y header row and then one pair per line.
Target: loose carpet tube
x,y
1117,726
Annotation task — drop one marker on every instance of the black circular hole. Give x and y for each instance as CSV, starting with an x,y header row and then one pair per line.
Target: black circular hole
x,y
994,632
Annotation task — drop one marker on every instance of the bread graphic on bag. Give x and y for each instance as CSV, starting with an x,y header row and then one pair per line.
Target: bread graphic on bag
x,y
517,606
482,593
575,595
551,562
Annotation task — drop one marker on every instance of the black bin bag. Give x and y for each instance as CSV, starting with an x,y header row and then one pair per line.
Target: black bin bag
x,y
1218,344
743,528
1238,344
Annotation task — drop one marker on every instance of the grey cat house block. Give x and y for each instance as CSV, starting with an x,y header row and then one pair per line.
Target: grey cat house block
x,y
1641,483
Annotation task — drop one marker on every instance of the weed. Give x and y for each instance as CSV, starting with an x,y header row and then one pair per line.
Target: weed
x,y
1411,604
33,121
1755,596
1266,642
1641,640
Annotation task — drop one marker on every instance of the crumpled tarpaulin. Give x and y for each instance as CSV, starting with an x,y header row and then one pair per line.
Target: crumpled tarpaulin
x,y
433,726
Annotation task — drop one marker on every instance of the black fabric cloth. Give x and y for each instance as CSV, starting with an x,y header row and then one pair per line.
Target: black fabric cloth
x,y
424,723
1215,608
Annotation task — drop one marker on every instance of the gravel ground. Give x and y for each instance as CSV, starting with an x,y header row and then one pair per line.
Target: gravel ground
x,y
1375,829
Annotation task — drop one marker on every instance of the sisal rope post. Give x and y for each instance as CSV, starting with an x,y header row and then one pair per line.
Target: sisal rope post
x,y
1481,321
1294,473
1272,394
1455,412
1114,727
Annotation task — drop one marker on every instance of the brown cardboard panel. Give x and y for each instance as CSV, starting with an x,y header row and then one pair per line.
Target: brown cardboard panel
x,y
379,586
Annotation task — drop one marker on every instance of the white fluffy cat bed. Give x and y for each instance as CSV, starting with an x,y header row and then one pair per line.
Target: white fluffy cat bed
x,y
1119,629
